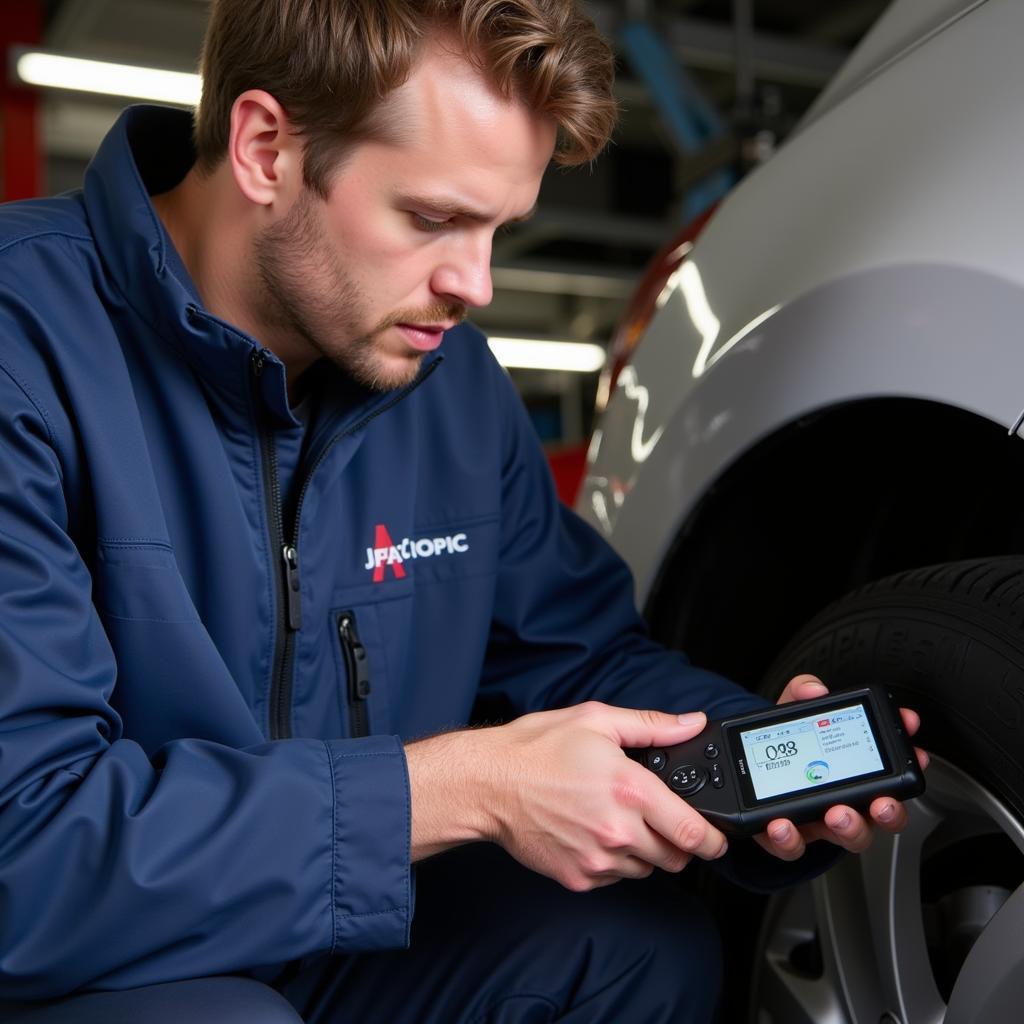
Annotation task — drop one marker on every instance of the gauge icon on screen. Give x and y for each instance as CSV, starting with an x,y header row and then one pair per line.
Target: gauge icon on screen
x,y
816,771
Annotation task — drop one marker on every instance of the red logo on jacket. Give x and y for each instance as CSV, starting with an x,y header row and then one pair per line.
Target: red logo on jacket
x,y
386,554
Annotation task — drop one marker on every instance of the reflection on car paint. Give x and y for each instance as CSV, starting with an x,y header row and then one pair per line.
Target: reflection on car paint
x,y
672,281
704,320
618,490
699,367
707,325
636,392
602,487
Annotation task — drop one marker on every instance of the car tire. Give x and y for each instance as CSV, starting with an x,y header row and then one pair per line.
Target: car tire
x,y
929,926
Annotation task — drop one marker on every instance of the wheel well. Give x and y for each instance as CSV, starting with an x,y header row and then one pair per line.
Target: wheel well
x,y
833,500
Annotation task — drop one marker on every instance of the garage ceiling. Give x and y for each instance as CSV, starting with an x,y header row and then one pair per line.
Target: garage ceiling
x,y
569,270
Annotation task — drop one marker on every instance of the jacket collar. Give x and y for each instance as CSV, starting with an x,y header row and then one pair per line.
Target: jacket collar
x,y
148,151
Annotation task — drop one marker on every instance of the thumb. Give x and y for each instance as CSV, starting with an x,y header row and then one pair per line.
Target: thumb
x,y
654,728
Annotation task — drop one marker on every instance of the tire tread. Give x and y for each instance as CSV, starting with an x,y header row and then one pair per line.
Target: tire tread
x,y
998,583
971,699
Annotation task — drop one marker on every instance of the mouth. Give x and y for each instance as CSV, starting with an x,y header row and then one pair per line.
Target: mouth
x,y
424,337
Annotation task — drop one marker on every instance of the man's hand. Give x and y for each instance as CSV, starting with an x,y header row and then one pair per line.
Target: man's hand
x,y
557,792
842,825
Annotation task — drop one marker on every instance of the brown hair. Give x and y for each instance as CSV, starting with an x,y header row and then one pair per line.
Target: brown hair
x,y
329,63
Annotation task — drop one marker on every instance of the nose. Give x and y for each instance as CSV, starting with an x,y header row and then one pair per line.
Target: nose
x,y
464,272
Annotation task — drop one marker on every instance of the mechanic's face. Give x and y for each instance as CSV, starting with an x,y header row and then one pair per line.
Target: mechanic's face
x,y
371,277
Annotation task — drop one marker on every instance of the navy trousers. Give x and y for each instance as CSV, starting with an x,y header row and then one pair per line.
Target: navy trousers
x,y
492,943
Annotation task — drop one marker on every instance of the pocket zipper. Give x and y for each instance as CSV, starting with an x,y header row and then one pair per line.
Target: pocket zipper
x,y
357,668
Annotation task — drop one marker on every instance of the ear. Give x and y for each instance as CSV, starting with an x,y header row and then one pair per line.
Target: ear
x,y
265,156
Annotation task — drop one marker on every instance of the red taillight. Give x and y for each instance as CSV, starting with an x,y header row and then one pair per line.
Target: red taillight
x,y
641,306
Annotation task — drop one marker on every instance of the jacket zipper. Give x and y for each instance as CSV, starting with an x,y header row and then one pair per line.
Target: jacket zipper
x,y
289,610
289,607
357,670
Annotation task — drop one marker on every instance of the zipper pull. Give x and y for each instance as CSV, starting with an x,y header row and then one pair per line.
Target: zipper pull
x,y
291,586
257,361
355,656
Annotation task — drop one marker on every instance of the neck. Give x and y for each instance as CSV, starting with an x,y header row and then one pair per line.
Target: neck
x,y
191,213
213,228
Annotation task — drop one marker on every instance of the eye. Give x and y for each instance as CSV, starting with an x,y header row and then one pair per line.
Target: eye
x,y
426,224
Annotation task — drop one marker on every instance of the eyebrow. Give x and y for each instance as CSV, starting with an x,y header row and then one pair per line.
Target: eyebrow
x,y
454,208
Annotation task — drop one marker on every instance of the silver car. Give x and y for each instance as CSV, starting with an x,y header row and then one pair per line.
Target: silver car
x,y
811,458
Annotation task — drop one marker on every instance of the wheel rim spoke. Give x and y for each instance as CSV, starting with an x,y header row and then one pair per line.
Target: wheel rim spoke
x,y
796,997
889,891
867,914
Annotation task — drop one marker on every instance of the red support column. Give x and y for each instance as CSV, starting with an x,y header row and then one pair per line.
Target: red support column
x,y
21,167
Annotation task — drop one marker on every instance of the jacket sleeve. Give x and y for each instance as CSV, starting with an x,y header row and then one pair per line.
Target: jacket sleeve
x,y
566,629
118,869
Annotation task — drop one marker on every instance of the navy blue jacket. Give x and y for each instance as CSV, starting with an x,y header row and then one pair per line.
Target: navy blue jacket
x,y
204,693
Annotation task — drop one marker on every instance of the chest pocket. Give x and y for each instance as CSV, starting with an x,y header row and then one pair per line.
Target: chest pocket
x,y
415,587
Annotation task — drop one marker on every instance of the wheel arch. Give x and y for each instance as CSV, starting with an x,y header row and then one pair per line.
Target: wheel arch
x,y
827,503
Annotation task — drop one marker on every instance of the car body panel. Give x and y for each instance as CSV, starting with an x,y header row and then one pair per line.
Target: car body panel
x,y
822,350
901,26
835,273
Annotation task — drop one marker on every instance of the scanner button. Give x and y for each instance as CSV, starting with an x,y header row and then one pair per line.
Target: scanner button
x,y
711,751
656,760
687,779
716,776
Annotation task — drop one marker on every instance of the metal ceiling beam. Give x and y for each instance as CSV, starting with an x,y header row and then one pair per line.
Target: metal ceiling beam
x,y
850,22
712,46
560,277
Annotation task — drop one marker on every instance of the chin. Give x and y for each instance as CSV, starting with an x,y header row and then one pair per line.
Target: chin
x,y
382,374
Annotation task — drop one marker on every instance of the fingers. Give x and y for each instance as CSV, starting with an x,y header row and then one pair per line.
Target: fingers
x,y
783,839
615,856
660,853
848,828
888,814
633,728
652,848
603,866
630,867
911,720
802,687
680,825
660,830
842,826
633,868
672,831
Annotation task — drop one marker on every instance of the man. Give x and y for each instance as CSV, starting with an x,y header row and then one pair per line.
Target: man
x,y
266,555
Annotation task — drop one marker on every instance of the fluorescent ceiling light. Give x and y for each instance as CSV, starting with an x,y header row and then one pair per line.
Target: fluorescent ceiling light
x,y
54,71
528,354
